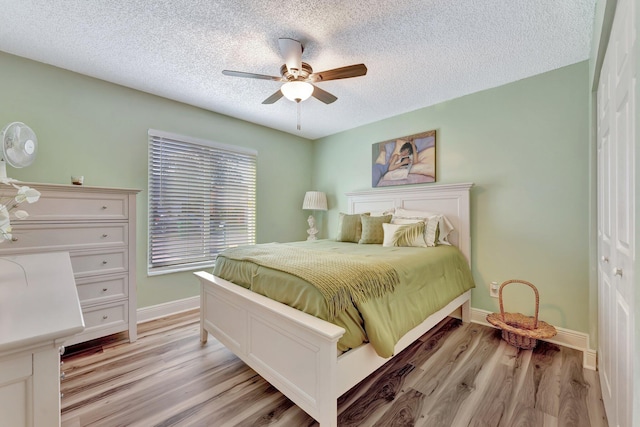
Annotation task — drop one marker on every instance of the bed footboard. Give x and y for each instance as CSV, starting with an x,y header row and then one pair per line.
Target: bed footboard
x,y
292,350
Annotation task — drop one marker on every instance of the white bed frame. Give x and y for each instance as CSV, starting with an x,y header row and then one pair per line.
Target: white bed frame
x,y
297,352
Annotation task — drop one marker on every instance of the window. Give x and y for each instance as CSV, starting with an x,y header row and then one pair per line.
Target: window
x,y
202,199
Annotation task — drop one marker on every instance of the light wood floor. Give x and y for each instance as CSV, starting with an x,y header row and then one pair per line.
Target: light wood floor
x,y
455,375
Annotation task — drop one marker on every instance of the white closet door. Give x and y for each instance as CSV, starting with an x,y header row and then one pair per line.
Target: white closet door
x,y
616,221
606,202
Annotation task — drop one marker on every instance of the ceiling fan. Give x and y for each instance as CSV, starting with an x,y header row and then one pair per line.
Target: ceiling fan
x,y
298,77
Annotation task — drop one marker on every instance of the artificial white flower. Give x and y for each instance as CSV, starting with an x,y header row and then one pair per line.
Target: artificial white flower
x,y
25,194
20,214
5,224
4,214
7,181
29,194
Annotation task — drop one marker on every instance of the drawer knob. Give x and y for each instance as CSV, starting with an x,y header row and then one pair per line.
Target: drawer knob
x,y
104,262
104,289
105,235
105,317
14,239
104,207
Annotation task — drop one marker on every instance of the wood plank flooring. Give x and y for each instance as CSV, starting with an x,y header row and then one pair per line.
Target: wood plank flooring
x,y
455,375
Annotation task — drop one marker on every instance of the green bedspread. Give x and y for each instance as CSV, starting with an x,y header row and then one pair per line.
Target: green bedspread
x,y
429,279
342,281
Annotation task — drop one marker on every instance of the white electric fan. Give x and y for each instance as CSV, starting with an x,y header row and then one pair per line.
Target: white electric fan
x,y
19,147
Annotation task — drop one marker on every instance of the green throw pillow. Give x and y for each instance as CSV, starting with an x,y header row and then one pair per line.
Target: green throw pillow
x,y
372,231
349,228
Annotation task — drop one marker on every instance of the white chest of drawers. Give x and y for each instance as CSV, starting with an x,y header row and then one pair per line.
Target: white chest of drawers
x,y
96,225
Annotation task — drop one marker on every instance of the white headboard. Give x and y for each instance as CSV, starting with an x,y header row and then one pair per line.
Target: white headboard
x,y
451,200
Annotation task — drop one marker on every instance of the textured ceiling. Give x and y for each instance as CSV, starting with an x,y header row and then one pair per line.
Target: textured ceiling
x,y
418,52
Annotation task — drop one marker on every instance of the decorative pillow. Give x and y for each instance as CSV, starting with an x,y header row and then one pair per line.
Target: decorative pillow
x,y
403,221
382,213
411,235
444,225
349,228
431,229
372,231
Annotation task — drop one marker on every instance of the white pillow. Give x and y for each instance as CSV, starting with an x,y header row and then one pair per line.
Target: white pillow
x,y
444,224
403,220
391,236
430,228
382,213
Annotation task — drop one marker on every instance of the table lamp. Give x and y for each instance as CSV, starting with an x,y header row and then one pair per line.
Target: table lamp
x,y
314,201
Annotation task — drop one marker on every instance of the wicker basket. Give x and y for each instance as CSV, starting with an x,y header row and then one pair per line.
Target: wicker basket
x,y
517,329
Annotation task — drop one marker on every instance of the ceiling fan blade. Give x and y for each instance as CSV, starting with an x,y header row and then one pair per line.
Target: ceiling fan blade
x,y
323,95
291,51
339,73
273,98
250,75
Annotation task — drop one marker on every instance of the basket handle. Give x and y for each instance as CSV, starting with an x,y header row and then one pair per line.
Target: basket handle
x,y
535,291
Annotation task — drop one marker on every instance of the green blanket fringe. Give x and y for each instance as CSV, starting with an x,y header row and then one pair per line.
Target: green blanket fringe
x,y
340,279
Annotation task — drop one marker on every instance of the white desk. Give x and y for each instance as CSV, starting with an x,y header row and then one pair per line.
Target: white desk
x,y
39,309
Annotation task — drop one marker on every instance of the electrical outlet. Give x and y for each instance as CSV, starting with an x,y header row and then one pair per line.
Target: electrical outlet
x,y
494,287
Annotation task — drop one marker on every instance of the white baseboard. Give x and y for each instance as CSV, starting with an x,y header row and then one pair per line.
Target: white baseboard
x,y
146,314
565,337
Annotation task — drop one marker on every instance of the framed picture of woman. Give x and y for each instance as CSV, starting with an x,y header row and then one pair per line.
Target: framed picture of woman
x,y
406,160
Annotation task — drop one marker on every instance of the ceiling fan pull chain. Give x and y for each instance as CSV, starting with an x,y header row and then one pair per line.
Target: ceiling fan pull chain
x,y
299,108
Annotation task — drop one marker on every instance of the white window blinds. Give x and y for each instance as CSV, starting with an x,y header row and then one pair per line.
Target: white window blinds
x,y
202,199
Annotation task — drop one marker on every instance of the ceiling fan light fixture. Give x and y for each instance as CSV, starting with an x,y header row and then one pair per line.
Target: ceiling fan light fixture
x,y
297,91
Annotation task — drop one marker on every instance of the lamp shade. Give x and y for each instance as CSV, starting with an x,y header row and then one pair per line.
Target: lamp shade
x,y
297,91
315,201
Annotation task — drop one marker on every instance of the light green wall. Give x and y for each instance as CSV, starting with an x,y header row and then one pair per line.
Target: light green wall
x,y
525,146
97,129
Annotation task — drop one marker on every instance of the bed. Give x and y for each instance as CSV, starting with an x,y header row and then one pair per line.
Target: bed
x,y
298,353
